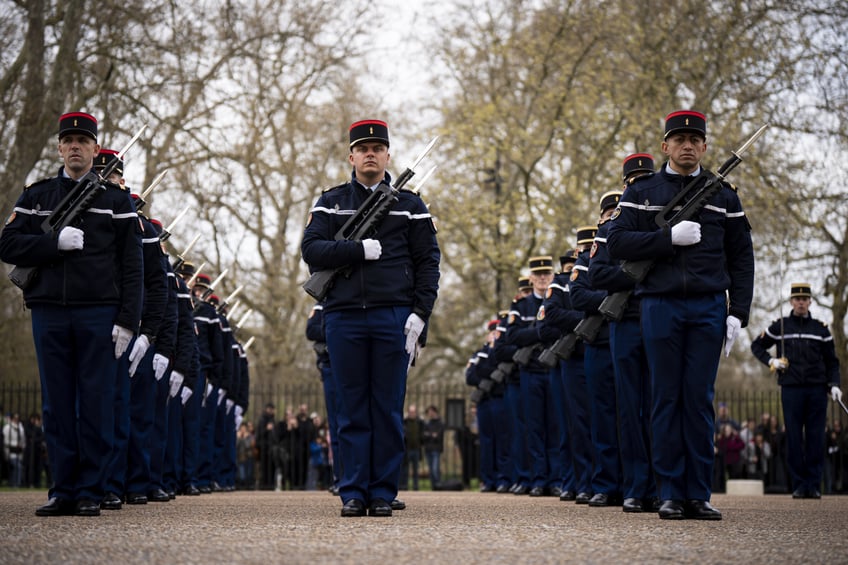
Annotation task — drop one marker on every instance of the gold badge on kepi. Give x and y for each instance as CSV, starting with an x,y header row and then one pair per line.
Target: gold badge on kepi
x,y
11,218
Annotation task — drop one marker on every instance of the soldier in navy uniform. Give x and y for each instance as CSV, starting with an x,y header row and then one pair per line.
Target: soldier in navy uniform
x,y
86,307
176,356
807,369
491,416
159,368
632,383
211,348
374,319
129,468
143,383
223,454
697,295
537,400
573,372
600,377
193,392
558,317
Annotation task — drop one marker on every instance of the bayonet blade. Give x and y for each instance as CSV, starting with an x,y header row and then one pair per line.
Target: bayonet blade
x,y
154,184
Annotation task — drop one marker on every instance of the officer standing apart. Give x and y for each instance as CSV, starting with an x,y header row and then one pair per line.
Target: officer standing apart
x,y
86,306
374,318
807,367
697,293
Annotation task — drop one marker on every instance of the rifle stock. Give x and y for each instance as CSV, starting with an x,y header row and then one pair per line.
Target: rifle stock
x,y
502,371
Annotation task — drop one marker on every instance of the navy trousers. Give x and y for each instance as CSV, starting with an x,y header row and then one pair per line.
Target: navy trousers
x,y
683,339
206,451
540,423
633,398
116,472
366,348
566,465
142,411
172,468
600,379
579,427
332,419
159,434
520,473
805,413
78,370
494,442
192,413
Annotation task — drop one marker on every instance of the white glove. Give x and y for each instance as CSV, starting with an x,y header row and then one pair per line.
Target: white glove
x,y
686,233
209,388
121,337
70,239
175,382
139,348
185,394
778,364
221,394
239,420
239,411
836,394
412,329
733,325
372,249
230,405
160,365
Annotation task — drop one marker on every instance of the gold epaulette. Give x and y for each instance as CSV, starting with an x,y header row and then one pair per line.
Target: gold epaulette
x,y
335,187
39,181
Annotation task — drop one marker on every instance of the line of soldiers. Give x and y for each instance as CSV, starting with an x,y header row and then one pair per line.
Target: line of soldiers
x,y
551,427
153,414
585,393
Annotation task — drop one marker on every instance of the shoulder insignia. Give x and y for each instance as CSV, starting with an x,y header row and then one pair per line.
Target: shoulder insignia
x,y
335,187
635,178
574,274
309,219
540,315
729,185
511,319
11,218
549,292
762,334
615,213
39,181
594,249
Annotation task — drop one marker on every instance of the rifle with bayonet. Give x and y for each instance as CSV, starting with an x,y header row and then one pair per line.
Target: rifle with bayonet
x,y
227,300
209,290
363,223
702,188
181,256
70,209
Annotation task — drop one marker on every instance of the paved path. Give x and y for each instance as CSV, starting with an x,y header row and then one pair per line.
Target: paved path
x,y
454,528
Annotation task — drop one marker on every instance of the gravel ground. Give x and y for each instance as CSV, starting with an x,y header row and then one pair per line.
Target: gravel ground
x,y
456,528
